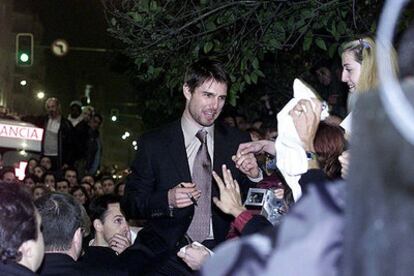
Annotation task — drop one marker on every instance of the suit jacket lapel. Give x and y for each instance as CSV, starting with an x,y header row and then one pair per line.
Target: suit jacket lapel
x,y
176,150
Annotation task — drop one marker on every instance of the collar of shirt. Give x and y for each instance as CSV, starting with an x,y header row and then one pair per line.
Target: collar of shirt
x,y
190,130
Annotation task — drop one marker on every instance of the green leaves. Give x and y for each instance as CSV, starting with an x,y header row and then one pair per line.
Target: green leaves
x,y
208,46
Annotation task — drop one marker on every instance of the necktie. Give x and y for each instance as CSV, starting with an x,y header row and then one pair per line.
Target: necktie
x,y
200,225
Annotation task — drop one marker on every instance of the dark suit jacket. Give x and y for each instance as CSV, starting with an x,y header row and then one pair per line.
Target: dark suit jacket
x,y
63,264
161,164
15,269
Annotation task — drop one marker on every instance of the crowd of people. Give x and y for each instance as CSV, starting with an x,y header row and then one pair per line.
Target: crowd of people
x,y
181,211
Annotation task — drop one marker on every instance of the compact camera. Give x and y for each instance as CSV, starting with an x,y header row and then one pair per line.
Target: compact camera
x,y
264,202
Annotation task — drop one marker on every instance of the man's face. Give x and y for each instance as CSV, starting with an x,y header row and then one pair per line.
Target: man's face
x,y
71,177
52,108
75,111
114,222
204,105
108,186
62,187
9,177
46,163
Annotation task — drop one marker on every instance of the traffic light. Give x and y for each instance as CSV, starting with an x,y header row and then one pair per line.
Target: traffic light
x,y
24,49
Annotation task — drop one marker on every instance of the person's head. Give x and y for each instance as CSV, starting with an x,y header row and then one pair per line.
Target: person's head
x,y
62,186
71,175
49,180
80,195
39,191
88,188
107,217
8,175
360,65
30,181
39,171
46,163
329,144
62,222
21,238
120,189
95,121
255,134
205,89
324,75
31,164
108,184
75,109
97,189
52,106
87,112
88,178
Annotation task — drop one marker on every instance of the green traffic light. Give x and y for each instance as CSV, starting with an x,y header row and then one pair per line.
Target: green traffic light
x,y
24,57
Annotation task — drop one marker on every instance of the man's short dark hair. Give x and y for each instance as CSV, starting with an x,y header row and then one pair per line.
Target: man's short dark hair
x,y
7,170
203,70
62,180
99,206
107,177
61,217
70,169
17,220
98,116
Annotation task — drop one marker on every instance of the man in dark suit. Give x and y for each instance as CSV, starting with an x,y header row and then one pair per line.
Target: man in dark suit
x,y
62,224
162,188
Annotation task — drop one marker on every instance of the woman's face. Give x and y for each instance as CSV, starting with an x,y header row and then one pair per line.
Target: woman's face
x,y
38,172
79,196
50,181
38,192
29,183
351,70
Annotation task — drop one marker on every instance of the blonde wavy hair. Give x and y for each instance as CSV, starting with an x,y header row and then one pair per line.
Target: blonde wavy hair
x,y
363,51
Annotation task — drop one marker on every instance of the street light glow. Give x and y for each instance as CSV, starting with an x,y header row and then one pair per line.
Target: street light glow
x,y
114,118
134,143
23,82
40,95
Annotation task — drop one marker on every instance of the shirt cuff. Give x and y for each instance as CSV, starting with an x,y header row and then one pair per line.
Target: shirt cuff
x,y
257,179
241,220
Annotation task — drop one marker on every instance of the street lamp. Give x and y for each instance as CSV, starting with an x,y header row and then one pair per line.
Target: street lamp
x,y
23,82
40,95
114,118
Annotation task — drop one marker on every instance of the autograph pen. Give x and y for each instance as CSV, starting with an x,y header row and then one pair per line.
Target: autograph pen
x,y
190,196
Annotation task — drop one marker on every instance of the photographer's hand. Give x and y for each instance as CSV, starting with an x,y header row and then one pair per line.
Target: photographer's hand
x,y
230,199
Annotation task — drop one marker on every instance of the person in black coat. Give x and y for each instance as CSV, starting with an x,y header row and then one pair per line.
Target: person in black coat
x,y
62,229
21,240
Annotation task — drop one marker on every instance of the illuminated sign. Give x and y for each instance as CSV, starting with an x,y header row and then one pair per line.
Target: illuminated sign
x,y
21,132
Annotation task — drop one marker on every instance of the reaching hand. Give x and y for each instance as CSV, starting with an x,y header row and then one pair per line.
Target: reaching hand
x,y
230,199
344,160
179,196
306,119
194,255
247,164
256,147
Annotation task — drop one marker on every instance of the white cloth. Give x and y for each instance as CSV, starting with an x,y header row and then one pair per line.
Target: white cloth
x,y
290,156
51,142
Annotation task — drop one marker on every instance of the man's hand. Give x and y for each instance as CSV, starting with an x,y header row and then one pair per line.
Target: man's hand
x,y
194,256
257,147
180,195
306,119
344,160
247,164
230,199
119,243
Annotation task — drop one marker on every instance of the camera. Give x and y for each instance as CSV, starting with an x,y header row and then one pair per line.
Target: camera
x,y
265,203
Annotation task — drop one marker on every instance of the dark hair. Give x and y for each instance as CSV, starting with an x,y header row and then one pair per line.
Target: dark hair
x,y
61,217
329,144
78,187
62,180
107,177
46,174
5,170
99,206
116,190
203,70
99,116
70,169
18,221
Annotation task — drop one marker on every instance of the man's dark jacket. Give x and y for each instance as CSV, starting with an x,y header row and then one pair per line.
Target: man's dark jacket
x,y
161,164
